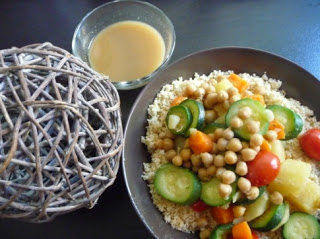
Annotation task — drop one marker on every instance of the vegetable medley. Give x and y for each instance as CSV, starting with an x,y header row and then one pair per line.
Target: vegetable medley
x,y
225,155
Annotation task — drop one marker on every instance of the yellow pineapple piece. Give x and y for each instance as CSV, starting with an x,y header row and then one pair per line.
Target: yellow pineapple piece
x,y
292,178
223,85
308,200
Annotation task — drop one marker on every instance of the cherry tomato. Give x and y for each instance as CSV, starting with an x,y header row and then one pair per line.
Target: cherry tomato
x,y
310,143
199,206
263,169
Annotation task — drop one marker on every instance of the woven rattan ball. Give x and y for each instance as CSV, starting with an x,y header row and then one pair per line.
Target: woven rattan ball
x,y
60,133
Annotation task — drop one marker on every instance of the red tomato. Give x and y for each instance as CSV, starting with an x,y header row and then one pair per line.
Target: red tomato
x,y
310,143
199,206
263,169
254,236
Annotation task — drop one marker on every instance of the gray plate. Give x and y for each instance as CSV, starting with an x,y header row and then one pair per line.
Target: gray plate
x,y
297,82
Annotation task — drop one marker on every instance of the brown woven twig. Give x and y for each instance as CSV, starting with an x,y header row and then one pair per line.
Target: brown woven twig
x,y
60,133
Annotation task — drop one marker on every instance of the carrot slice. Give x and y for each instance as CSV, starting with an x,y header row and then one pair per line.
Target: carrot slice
x,y
221,215
238,82
177,100
278,127
258,98
241,231
265,145
200,142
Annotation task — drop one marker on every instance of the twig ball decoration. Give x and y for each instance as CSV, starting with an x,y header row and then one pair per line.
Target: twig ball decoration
x,y
61,135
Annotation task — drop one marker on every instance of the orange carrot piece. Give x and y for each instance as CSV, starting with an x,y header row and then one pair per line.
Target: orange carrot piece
x,y
258,98
200,142
221,215
265,146
238,82
177,100
278,127
241,231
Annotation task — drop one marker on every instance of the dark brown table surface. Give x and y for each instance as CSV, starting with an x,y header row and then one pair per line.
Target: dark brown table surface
x,y
289,28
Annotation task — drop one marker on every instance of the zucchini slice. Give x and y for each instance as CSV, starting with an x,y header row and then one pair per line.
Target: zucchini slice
x,y
292,122
221,231
270,218
197,111
301,225
258,114
245,201
210,193
177,184
178,119
210,128
257,208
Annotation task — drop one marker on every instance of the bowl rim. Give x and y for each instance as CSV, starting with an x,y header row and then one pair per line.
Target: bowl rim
x,y
312,78
129,85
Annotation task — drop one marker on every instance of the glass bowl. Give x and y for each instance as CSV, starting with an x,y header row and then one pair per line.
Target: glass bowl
x,y
113,12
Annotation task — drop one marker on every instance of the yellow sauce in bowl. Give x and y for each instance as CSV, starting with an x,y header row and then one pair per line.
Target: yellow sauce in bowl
x,y
127,50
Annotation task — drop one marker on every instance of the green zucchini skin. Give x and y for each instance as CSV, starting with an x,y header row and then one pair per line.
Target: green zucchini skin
x,y
198,113
210,193
292,122
210,128
185,119
221,231
258,114
301,225
245,201
269,219
177,184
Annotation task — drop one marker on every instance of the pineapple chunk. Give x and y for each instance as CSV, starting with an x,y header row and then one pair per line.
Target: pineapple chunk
x,y
308,200
277,149
292,178
223,85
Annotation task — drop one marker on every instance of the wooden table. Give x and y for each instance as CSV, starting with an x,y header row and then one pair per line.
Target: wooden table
x,y
289,28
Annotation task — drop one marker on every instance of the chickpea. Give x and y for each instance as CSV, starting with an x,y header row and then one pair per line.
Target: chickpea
x,y
244,184
207,159
222,96
228,134
168,134
220,78
218,161
177,160
228,177
170,154
211,100
219,172
234,98
248,154
244,145
201,222
218,133
195,160
168,144
276,198
210,116
205,86
256,140
234,145
190,90
225,190
253,193
202,173
269,114
232,91
211,171
236,122
222,144
210,89
257,149
199,92
238,211
219,109
245,112
253,126
271,135
214,148
211,135
230,157
205,234
187,164
241,168
158,144
185,154
212,81
226,105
